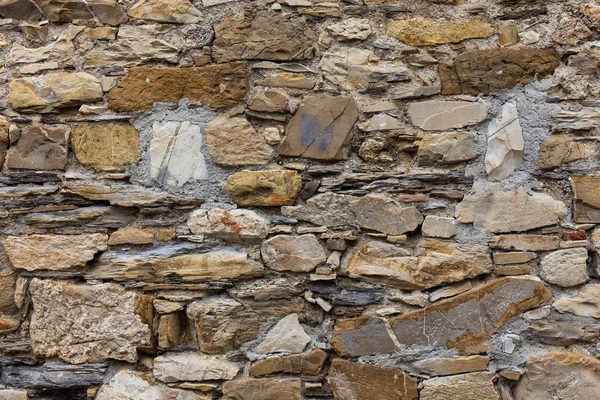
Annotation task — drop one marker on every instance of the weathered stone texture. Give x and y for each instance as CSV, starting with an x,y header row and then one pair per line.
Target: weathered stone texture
x,y
428,32
264,188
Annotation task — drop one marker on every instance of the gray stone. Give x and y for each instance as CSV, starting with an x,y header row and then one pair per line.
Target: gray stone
x,y
51,375
565,268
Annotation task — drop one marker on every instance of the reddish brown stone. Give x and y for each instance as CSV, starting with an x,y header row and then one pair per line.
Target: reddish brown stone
x,y
41,147
305,364
362,336
574,235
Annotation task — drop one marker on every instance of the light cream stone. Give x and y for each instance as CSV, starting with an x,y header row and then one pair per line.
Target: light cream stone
x,y
440,227
192,366
505,144
565,267
235,225
293,253
169,11
233,141
452,366
473,386
350,29
586,303
525,242
513,257
438,115
287,336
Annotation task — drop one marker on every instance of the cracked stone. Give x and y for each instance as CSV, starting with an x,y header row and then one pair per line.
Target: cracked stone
x,y
442,115
558,150
446,148
586,303
235,225
505,144
41,147
192,366
350,29
306,364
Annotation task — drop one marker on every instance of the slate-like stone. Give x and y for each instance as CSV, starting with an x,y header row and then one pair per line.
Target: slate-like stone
x,y
131,236
263,389
235,225
306,364
41,147
362,336
106,147
192,366
587,201
264,188
351,29
293,253
505,143
446,148
525,242
477,385
167,11
217,86
320,127
558,150
51,375
438,115
430,32
563,333
452,366
24,10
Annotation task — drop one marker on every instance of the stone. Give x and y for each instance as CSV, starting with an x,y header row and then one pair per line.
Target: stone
x,y
102,33
309,364
430,32
131,236
563,333
162,263
373,211
350,380
489,70
508,34
525,242
167,11
440,227
263,389
8,286
192,366
20,10
320,128
13,394
264,188
438,115
53,252
586,303
586,118
449,323
452,366
4,137
233,141
287,80
505,143
50,92
41,147
587,202
131,385
237,225
287,336
106,147
61,50
365,335
565,268
222,324
263,36
513,257
105,11
450,290
571,31
473,386
175,153
488,211
445,148
380,122
52,376
559,374
558,150
293,253
350,29
217,86
88,323
268,101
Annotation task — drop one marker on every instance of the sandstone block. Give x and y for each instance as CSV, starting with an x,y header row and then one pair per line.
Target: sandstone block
x,y
235,225
565,267
429,32
474,386
438,115
192,366
587,201
305,364
106,147
263,389
264,188
505,144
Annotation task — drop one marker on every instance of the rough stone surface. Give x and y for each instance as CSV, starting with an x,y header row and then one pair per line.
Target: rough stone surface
x,y
263,389
428,32
169,11
446,148
452,366
305,364
565,267
287,336
558,150
191,366
42,147
586,303
441,115
106,147
351,29
235,225
293,253
264,188
505,144
477,385
587,203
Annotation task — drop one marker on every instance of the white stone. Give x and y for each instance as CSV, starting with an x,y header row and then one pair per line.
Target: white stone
x,y
441,115
565,267
287,336
529,37
236,225
505,143
585,303
441,227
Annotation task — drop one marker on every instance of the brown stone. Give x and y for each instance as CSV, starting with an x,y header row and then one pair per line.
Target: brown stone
x,y
430,32
474,386
167,11
452,366
4,137
20,9
293,253
490,70
574,235
305,364
42,147
362,336
320,127
263,389
446,148
508,34
8,282
510,270
586,62
587,201
264,188
263,36
217,86
287,80
106,147
106,11
350,381
513,257
267,102
131,236
563,149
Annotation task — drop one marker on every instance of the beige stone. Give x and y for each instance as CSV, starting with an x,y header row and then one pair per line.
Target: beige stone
x,y
438,115
293,253
106,147
452,366
263,389
443,149
429,32
287,80
505,143
558,150
440,227
525,242
192,366
263,188
513,257
473,386
13,394
169,11
565,267
587,201
235,225
586,303
305,364
449,290
131,236
350,29
287,336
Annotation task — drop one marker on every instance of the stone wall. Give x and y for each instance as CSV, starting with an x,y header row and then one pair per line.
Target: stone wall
x,y
353,200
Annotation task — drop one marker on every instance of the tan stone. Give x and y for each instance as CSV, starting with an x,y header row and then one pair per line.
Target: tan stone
x,y
508,33
571,31
513,257
106,147
217,86
60,50
510,270
430,32
565,267
474,386
586,303
287,80
349,381
350,29
287,336
525,242
169,11
438,115
192,366
440,227
293,253
8,284
587,201
562,149
452,366
235,225
563,333
263,389
49,92
305,364
170,335
233,141
267,101
131,236
446,148
88,323
264,188
4,137
53,252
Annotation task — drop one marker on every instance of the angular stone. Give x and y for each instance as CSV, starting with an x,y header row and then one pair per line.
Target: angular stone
x,y
571,31
217,86
166,262
106,147
264,188
60,50
320,128
88,323
349,381
449,290
222,324
510,270
563,333
490,70
558,150
361,336
440,227
131,385
561,375
438,115
168,11
287,80
306,364
41,147
13,394
21,10
52,376
525,242
8,283
586,303
586,118
508,33
449,323
192,366
233,141
452,366
474,386
263,36
513,257
373,211
380,122
235,225
565,268
587,201
106,11
446,148
293,253
430,32
505,143
131,236
498,211
350,29
53,252
438,263
267,102
50,92
263,389
287,336
175,153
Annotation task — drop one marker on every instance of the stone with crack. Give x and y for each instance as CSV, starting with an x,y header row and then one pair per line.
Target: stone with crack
x,y
235,225
106,147
192,366
438,115
505,143
41,147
